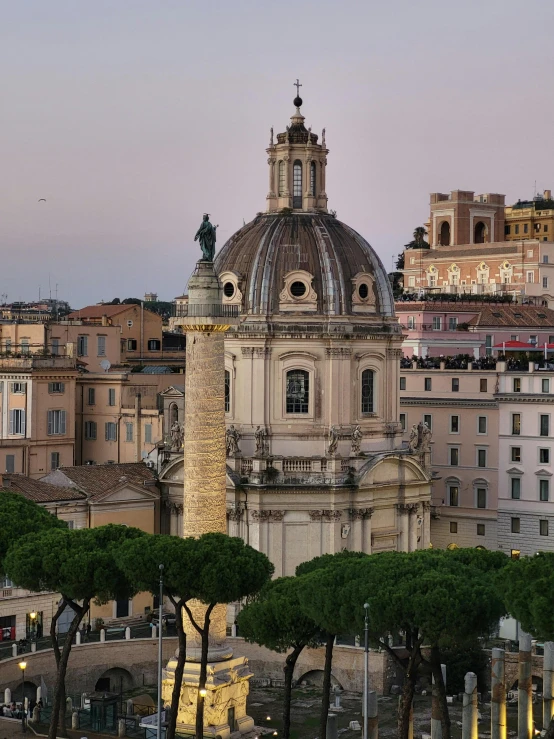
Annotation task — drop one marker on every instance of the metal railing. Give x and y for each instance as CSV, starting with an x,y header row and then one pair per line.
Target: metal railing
x,y
213,310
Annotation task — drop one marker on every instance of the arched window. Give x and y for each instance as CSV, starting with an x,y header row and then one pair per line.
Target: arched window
x,y
312,178
367,391
227,391
480,233
444,238
298,391
282,181
297,184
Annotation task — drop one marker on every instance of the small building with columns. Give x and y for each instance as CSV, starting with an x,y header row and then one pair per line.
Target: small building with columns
x,y
315,459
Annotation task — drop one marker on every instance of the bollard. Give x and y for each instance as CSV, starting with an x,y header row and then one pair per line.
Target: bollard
x,y
14,650
39,694
128,633
372,716
547,682
75,720
36,715
233,629
130,707
436,726
337,692
77,638
69,704
33,646
525,689
154,631
7,696
332,726
102,634
121,727
498,695
469,710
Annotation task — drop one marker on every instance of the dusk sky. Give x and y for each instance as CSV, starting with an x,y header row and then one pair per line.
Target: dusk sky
x,y
134,117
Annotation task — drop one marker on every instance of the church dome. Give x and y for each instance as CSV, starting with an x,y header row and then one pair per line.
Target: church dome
x,y
303,262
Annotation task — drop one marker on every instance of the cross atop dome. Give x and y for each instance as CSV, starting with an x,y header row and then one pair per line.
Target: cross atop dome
x,y
297,100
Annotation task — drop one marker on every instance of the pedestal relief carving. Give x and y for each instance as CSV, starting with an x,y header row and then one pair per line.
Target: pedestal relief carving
x,y
260,516
325,515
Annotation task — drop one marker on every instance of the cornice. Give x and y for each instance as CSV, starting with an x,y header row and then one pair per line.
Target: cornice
x,y
524,398
449,402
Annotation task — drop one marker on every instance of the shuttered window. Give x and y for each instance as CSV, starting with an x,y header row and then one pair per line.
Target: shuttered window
x,y
17,422
56,423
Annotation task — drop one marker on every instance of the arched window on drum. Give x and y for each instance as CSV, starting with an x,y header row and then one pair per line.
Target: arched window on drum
x,y
227,391
312,178
298,391
368,393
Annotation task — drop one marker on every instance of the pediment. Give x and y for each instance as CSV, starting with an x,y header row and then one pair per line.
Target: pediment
x,y
172,392
174,472
514,471
127,492
393,470
543,473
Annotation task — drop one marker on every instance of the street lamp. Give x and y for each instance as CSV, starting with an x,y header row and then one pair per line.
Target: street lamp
x,y
22,666
33,616
366,669
160,637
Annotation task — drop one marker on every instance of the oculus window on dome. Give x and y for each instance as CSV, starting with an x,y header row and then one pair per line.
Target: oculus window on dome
x,y
298,289
298,391
228,289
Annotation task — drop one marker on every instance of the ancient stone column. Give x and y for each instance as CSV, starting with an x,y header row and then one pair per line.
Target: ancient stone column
x,y
498,695
525,689
547,682
469,709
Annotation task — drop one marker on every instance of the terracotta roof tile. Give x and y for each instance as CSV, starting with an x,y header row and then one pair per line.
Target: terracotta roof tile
x,y
38,491
95,480
97,311
514,315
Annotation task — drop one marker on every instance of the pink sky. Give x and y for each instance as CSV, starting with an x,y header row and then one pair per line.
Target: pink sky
x,y
133,117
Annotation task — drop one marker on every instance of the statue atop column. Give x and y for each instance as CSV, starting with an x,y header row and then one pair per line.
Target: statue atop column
x,y
206,236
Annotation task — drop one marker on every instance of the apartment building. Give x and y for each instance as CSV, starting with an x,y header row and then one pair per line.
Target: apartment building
x,y
459,406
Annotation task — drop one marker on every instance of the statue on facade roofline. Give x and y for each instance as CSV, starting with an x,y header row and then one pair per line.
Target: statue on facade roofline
x,y
333,440
206,236
232,437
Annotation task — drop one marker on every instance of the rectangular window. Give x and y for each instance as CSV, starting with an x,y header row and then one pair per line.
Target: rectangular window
x,y
545,386
18,388
90,430
507,229
56,423
411,281
54,460
481,458
545,259
147,433
427,384
128,432
545,282
515,525
55,347
402,383
516,385
56,387
544,456
453,527
111,431
111,396
544,424
530,277
516,454
481,424
411,322
454,456
91,396
488,344
515,487
101,340
82,346
545,227
483,385
25,346
10,462
17,422
480,529
403,421
455,384
516,424
452,323
154,345
437,323
481,497
428,420
131,345
454,424
525,228
543,528
453,495
516,228
544,490
533,339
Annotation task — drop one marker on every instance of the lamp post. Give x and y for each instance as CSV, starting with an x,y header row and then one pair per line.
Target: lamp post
x,y
160,637
22,666
366,668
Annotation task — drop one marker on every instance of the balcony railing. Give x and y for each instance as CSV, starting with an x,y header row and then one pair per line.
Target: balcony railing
x,y
213,310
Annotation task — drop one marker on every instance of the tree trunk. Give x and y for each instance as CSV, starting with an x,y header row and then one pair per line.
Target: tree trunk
x,y
59,689
326,686
407,697
58,656
179,669
290,663
441,691
205,633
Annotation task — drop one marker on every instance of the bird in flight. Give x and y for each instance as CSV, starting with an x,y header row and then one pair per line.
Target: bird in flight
x,y
42,200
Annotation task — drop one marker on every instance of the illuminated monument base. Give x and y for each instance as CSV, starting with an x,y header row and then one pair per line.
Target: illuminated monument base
x,y
205,321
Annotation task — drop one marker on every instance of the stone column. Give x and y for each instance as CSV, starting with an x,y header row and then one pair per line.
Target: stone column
x,y
372,715
525,689
548,685
498,695
412,519
403,526
469,710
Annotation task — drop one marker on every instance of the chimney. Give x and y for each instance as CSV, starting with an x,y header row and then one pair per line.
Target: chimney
x,y
547,195
6,481
138,430
104,320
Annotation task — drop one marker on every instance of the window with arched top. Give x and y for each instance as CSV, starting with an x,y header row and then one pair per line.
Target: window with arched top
x,y
297,184
368,377
444,236
282,180
480,233
298,391
312,178
227,391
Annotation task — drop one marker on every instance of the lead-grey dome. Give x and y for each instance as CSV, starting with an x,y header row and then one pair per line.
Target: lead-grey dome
x,y
274,245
